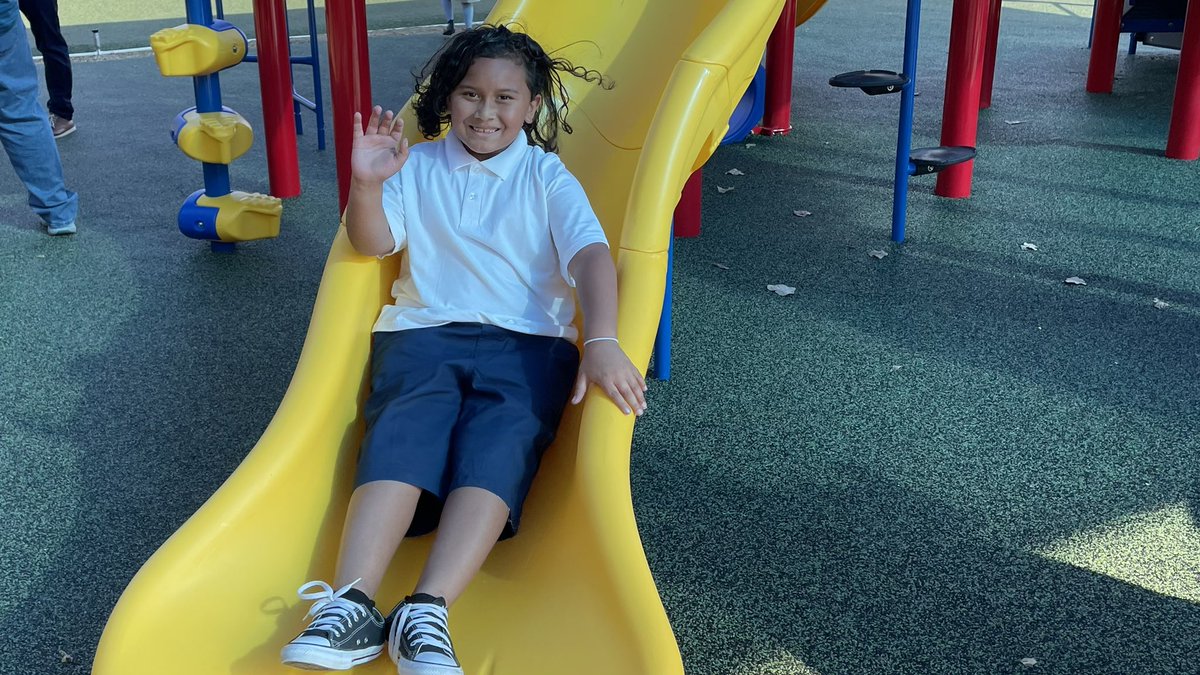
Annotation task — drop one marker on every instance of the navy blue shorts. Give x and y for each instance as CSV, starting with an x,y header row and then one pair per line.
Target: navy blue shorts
x,y
463,405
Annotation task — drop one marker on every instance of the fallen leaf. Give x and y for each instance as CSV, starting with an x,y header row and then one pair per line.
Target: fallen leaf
x,y
41,255
1029,247
1028,662
878,255
723,190
751,145
895,368
721,266
1159,304
802,214
1075,281
735,172
781,289
64,657
1014,122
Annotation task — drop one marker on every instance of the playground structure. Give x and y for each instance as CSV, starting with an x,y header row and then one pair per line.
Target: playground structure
x,y
216,135
574,588
312,60
970,69
971,63
909,162
1183,137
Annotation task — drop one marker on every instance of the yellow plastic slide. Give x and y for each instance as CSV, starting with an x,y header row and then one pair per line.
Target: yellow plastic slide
x,y
572,594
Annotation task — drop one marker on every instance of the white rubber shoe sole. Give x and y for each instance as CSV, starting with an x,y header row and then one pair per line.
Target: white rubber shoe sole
x,y
314,657
406,667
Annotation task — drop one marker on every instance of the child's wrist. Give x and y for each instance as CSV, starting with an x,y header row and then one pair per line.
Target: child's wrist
x,y
359,185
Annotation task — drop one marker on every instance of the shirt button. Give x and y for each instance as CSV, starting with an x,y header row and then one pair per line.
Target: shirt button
x,y
471,196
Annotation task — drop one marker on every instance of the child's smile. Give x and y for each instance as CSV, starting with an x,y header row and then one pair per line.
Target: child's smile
x,y
491,105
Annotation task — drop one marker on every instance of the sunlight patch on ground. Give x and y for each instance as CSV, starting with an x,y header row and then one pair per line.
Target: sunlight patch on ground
x,y
1158,551
1075,8
781,663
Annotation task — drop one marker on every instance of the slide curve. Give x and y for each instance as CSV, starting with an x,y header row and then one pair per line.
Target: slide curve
x,y
572,593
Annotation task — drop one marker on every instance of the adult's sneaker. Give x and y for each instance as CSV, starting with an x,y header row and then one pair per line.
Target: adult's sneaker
x,y
61,229
419,638
346,629
61,126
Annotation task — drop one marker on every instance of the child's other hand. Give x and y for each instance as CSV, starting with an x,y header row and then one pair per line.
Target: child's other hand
x,y
605,365
380,151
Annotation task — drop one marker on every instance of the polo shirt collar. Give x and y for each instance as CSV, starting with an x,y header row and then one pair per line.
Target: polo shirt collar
x,y
502,164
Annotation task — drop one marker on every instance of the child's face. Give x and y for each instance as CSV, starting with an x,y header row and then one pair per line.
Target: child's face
x,y
490,105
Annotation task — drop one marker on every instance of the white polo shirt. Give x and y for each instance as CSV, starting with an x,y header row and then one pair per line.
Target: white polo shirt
x,y
488,242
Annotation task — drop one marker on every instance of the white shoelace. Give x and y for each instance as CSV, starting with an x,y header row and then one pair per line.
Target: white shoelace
x,y
423,624
333,612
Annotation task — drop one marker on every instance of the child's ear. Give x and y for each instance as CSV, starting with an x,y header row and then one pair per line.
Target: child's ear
x,y
533,108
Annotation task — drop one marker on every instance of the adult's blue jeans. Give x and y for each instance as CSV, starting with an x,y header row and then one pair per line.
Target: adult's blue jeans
x,y
25,128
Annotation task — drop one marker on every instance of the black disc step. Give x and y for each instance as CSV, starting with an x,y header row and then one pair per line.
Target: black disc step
x,y
933,160
874,82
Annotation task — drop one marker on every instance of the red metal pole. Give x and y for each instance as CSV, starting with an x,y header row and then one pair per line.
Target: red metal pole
x,y
687,212
1106,33
275,83
349,79
780,55
964,72
1183,140
989,57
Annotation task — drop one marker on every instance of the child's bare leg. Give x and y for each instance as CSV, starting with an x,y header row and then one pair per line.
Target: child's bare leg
x,y
379,515
471,522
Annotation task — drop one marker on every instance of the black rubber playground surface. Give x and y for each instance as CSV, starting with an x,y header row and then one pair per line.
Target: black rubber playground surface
x,y
942,461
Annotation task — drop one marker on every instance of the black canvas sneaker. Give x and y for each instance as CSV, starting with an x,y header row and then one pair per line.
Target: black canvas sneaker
x,y
419,638
346,630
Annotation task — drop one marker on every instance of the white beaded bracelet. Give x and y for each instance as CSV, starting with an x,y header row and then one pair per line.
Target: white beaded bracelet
x,y
600,339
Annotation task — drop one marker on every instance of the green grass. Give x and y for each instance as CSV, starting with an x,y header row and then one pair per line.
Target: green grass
x,y
86,14
124,24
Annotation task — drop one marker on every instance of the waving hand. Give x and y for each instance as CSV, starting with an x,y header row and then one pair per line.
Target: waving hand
x,y
380,150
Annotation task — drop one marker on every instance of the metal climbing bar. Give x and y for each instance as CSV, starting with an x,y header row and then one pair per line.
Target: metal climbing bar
x,y
904,165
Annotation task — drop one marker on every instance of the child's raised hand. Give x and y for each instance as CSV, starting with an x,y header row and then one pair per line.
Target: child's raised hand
x,y
605,365
380,151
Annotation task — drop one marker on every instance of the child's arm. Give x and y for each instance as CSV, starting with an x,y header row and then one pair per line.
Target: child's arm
x,y
604,363
378,153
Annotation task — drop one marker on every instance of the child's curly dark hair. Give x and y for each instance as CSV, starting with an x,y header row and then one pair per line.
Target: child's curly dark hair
x,y
449,65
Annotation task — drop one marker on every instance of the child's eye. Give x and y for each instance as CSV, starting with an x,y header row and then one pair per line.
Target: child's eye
x,y
469,94
505,97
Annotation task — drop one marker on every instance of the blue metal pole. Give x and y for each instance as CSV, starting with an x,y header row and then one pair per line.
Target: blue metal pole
x,y
314,54
662,339
208,99
208,87
1092,26
199,12
904,165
